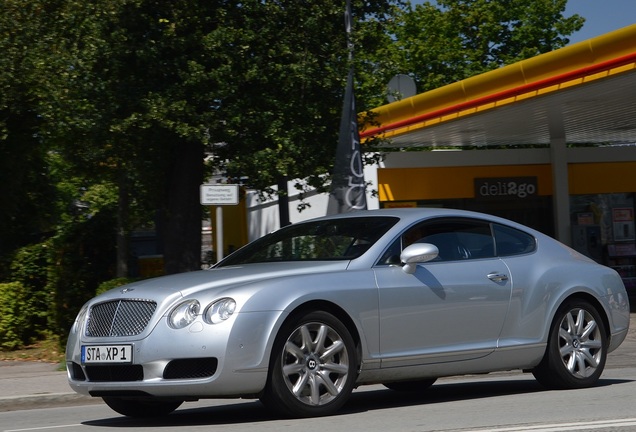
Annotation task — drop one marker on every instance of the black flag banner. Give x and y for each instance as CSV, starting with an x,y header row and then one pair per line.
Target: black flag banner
x,y
348,192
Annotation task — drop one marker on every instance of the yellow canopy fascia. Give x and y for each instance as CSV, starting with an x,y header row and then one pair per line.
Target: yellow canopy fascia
x,y
596,58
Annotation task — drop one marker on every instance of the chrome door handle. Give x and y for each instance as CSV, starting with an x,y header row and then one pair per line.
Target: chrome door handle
x,y
498,277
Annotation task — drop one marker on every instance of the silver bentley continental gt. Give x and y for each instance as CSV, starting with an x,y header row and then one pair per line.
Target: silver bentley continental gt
x,y
302,316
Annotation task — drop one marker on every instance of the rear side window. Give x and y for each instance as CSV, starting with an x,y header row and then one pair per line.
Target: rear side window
x,y
510,241
455,238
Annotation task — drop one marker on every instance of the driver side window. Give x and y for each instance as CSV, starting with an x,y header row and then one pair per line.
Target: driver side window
x,y
456,240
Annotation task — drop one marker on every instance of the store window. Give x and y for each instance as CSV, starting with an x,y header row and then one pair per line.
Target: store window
x,y
603,229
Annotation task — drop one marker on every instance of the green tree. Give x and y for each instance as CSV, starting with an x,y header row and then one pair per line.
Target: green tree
x,y
285,79
26,210
442,43
129,109
142,88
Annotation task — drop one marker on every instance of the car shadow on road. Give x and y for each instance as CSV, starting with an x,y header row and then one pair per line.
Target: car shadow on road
x,y
449,391
364,400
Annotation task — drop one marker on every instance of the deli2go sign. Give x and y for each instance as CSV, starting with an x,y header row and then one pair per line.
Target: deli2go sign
x,y
506,187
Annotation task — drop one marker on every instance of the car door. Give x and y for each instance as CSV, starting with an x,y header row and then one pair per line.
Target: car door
x,y
450,309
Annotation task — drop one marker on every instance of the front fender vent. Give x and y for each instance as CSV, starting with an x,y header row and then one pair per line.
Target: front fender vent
x,y
191,368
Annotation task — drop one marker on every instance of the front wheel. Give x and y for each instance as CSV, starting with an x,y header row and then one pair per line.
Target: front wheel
x,y
142,408
577,348
313,367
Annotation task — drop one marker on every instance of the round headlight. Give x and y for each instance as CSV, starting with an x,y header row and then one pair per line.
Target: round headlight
x,y
184,314
220,310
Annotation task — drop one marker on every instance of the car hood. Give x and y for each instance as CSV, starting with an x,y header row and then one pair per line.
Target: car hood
x,y
216,280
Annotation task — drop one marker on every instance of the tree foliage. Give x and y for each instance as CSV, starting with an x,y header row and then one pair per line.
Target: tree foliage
x,y
25,212
450,40
136,119
143,87
286,75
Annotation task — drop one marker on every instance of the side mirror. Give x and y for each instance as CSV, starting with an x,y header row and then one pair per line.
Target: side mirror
x,y
417,253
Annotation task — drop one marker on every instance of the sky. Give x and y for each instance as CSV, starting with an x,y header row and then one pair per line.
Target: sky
x,y
601,16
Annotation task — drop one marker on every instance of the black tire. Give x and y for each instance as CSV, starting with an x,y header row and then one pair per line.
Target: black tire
x,y
577,348
313,367
410,386
142,408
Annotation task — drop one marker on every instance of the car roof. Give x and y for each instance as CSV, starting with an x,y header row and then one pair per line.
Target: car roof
x,y
415,214
411,215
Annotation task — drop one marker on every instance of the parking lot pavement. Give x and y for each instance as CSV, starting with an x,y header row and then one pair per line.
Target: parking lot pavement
x,y
28,385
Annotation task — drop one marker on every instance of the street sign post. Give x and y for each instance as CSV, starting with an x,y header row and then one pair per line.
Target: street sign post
x,y
219,195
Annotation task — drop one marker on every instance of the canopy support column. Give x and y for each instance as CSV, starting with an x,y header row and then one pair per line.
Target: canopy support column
x,y
560,190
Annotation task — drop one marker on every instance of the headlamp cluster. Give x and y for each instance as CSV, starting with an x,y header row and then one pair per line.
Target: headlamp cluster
x,y
186,312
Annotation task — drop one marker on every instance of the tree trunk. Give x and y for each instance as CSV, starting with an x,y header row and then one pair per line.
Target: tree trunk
x,y
123,238
181,224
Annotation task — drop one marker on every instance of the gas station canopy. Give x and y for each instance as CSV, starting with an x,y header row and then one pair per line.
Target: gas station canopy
x,y
584,93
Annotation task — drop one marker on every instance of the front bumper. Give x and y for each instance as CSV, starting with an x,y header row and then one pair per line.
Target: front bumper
x,y
229,359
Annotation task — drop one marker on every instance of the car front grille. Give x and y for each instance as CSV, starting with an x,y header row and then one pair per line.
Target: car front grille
x,y
119,318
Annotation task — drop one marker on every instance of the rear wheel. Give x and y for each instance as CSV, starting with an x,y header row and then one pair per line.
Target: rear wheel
x,y
142,408
313,367
577,348
410,386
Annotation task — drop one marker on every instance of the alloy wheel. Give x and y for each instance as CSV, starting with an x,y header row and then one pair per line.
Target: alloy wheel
x,y
315,364
580,343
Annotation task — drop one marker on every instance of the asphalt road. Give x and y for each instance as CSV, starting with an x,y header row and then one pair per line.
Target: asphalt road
x,y
495,403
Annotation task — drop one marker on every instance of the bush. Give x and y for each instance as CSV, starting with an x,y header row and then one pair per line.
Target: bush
x,y
14,316
30,266
113,283
29,270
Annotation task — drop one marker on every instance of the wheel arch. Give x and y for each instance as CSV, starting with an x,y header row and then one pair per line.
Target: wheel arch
x,y
278,394
581,295
560,369
335,310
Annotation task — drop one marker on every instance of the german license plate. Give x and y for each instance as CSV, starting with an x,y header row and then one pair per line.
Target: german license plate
x,y
106,354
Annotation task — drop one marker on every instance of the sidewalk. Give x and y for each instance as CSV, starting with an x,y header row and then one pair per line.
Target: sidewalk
x,y
27,385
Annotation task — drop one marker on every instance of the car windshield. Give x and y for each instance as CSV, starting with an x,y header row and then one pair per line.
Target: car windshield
x,y
331,239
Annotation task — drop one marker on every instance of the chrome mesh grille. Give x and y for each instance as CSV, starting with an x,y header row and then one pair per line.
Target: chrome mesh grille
x,y
119,318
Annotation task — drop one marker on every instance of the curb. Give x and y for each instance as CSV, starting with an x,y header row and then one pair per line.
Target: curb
x,y
49,400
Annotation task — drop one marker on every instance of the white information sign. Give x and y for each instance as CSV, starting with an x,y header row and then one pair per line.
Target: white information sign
x,y
219,194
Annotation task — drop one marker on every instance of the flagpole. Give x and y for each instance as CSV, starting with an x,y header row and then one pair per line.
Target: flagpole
x,y
348,188
348,30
